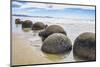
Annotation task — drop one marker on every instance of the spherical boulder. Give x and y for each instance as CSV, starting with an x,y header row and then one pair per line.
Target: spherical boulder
x,y
38,26
27,24
18,21
56,43
85,46
50,30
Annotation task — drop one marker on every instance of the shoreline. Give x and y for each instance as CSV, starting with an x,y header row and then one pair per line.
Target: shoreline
x,y
23,53
26,46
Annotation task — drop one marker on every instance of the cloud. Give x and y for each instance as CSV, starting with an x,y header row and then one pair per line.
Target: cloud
x,y
32,5
16,4
31,8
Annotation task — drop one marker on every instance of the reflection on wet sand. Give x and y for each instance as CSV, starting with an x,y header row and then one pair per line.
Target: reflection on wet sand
x,y
56,57
26,29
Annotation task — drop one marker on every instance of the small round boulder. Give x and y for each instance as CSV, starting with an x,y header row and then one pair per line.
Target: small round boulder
x,y
18,21
38,26
56,43
27,24
85,46
50,30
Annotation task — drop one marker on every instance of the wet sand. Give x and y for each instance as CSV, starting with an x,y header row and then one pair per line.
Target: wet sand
x,y
26,46
23,53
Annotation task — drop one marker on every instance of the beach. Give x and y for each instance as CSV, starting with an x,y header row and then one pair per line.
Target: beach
x,y
23,53
26,45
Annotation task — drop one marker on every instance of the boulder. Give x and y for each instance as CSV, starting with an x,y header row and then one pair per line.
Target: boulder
x,y
18,21
85,46
27,24
56,43
50,30
38,26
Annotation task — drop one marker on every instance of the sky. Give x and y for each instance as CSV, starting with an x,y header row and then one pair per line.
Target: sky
x,y
91,2
53,10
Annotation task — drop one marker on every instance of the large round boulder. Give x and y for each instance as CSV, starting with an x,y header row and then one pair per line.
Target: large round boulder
x,y
27,24
18,21
85,46
38,26
57,43
50,30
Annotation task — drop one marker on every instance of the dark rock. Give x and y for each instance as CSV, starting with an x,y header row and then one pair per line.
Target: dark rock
x,y
85,46
38,26
50,30
18,21
21,22
27,24
56,43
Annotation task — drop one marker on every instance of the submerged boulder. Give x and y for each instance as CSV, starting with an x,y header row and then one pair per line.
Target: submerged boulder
x,y
57,43
18,21
38,26
50,30
85,46
27,24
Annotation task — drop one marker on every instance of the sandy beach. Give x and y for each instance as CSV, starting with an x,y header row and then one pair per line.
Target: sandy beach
x,y
23,53
26,46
